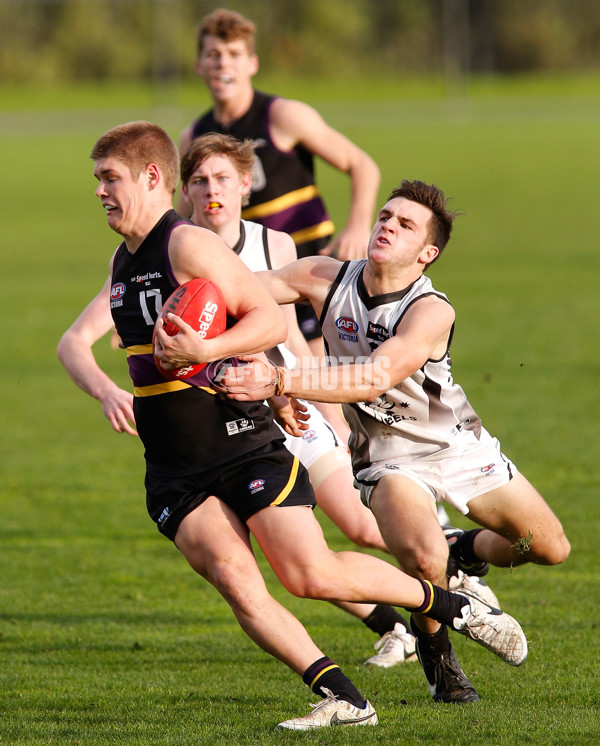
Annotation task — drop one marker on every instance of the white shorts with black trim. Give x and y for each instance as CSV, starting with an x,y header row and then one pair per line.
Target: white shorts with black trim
x,y
455,477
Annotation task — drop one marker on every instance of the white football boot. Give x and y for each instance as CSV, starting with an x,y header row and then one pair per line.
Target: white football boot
x,y
332,711
493,629
396,646
461,581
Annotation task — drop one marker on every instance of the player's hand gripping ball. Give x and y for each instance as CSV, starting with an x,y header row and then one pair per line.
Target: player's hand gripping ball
x,y
200,304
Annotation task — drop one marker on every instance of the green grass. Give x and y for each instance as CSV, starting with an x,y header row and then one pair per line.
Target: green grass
x,y
106,636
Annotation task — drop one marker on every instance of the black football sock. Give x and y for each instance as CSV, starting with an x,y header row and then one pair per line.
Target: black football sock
x,y
325,673
383,619
438,640
442,605
462,549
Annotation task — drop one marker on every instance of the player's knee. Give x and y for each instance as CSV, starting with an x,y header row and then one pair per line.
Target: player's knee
x,y
426,562
557,551
561,551
551,550
235,582
307,583
306,587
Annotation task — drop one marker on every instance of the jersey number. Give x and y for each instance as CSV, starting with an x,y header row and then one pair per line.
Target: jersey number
x,y
145,300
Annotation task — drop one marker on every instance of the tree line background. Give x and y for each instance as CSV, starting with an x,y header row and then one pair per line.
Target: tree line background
x,y
56,41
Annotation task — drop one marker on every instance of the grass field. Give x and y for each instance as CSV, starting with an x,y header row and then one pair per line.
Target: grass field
x,y
106,636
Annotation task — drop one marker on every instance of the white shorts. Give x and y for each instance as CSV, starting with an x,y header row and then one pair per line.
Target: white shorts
x,y
458,477
319,450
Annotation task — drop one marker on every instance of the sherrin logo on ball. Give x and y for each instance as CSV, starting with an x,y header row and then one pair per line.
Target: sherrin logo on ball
x,y
206,318
200,304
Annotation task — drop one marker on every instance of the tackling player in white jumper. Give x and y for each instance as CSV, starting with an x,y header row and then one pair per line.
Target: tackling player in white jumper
x,y
415,439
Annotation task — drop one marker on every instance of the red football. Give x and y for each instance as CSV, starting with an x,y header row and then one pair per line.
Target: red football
x,y
200,304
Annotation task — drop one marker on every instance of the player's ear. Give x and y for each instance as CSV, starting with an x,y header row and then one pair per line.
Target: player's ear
x,y
246,183
153,175
185,194
428,253
254,64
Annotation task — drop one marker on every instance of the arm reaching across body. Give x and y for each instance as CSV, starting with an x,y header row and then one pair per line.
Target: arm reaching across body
x,y
305,280
423,334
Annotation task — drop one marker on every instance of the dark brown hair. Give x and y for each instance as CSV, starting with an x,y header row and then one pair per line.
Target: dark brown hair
x,y
228,26
432,197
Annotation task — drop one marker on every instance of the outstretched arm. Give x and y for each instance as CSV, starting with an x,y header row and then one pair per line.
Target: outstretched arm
x,y
75,353
422,335
295,123
305,280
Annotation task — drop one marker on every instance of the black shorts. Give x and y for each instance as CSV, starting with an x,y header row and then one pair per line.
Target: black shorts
x,y
267,476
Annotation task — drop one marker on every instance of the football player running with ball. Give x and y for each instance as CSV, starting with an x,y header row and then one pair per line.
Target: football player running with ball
x,y
216,469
